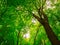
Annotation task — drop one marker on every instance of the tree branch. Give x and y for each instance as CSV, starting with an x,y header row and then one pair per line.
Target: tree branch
x,y
36,17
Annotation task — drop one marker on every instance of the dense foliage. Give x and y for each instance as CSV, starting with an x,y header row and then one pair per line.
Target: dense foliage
x,y
19,27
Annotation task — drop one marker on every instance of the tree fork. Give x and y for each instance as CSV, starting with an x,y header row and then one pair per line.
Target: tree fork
x,y
52,37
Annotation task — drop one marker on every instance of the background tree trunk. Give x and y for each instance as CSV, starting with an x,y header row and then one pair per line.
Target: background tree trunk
x,y
18,38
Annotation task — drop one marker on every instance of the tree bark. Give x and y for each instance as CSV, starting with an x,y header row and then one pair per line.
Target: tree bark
x,y
52,37
44,21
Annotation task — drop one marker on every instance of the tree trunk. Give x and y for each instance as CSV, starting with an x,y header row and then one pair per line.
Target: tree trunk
x,y
18,37
52,37
36,35
43,19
